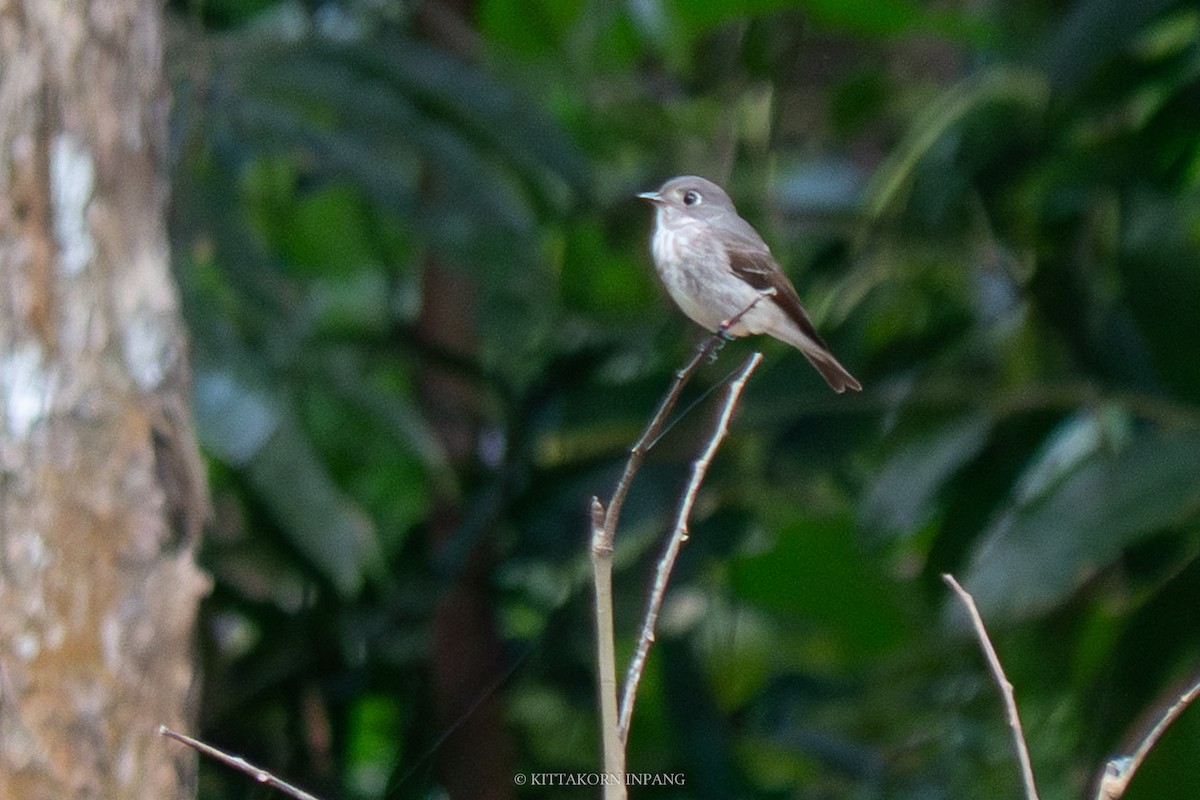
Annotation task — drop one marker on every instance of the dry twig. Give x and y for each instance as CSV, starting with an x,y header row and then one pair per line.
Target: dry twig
x,y
1119,771
654,428
238,763
678,536
604,530
606,665
1006,688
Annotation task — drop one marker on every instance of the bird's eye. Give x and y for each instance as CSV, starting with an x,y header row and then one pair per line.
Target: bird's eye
x,y
691,198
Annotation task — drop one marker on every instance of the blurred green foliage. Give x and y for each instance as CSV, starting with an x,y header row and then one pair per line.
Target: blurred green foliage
x,y
993,213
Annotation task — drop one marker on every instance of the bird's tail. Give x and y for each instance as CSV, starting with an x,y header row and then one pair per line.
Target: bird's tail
x,y
800,334
838,378
817,352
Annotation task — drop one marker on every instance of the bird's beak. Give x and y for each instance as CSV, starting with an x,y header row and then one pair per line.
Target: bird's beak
x,y
653,197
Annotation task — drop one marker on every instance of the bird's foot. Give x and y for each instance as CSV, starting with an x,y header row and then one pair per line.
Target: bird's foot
x,y
722,336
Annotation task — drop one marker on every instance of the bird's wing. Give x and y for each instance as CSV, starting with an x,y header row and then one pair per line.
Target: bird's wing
x,y
758,268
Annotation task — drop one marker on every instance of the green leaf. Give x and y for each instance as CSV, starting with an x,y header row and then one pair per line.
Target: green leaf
x,y
1000,85
601,279
903,496
1037,552
371,744
1161,270
816,572
530,27
879,18
328,233
249,426
332,532
1091,32
233,418
461,97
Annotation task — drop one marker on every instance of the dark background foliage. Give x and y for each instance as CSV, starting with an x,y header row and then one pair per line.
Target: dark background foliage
x,y
425,332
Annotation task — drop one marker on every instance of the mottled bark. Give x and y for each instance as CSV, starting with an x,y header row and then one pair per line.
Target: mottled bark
x,y
101,489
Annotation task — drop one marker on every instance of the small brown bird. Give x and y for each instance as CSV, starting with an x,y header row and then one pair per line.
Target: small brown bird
x,y
715,265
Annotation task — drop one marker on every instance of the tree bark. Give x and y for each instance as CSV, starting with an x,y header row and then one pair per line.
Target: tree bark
x,y
101,487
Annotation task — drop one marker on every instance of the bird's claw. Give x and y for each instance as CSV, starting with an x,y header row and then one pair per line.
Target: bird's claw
x,y
721,338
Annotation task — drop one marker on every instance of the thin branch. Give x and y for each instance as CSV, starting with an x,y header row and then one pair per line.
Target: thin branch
x,y
650,435
604,530
1006,688
1119,771
606,656
238,763
678,537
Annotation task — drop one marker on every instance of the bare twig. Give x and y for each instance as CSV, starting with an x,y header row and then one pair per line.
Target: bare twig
x,y
637,453
1006,688
678,537
604,530
238,763
1119,771
606,662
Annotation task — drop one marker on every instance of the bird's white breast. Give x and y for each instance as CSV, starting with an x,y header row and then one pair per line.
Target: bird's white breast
x,y
695,269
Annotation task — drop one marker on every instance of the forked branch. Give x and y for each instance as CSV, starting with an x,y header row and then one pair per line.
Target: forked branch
x,y
679,535
614,724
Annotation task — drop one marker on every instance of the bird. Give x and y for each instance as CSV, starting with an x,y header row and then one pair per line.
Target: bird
x,y
715,266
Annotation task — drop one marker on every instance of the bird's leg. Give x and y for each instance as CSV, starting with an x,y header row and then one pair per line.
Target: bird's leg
x,y
723,335
724,327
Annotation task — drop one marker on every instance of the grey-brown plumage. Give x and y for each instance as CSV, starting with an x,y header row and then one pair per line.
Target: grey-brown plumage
x,y
714,264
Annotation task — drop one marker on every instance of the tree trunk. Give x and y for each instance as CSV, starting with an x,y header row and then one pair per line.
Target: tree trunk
x,y
476,759
101,488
